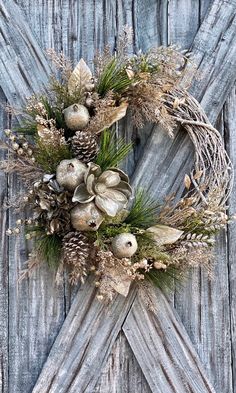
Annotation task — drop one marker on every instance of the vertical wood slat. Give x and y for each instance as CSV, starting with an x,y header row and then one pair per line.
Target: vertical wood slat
x,y
3,266
229,115
205,314
176,156
36,306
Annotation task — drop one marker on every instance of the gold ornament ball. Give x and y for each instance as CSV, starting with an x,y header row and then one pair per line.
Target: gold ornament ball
x,y
124,245
70,173
86,217
76,117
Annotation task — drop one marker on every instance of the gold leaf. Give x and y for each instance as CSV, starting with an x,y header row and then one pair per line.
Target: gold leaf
x,y
130,73
118,279
187,182
80,77
112,115
198,174
163,234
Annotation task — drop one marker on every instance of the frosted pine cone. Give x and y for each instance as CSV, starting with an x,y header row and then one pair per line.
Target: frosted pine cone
x,y
75,253
84,146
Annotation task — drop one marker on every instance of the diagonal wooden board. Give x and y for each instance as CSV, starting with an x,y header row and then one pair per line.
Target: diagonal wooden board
x,y
163,349
79,356
159,342
6,86
24,69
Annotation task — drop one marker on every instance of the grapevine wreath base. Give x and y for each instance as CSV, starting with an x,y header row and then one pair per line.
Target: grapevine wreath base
x,y
84,213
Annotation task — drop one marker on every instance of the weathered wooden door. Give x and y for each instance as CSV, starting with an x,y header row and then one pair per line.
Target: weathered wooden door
x,y
57,339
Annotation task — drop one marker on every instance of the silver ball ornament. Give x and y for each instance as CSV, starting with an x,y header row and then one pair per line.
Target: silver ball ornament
x,y
76,117
86,217
124,245
70,173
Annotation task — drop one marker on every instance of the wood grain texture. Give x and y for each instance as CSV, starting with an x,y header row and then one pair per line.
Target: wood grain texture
x,y
205,314
78,28
122,373
36,307
84,343
22,60
228,120
214,53
3,264
164,350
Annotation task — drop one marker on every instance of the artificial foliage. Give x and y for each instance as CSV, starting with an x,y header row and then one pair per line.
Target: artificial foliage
x,y
85,216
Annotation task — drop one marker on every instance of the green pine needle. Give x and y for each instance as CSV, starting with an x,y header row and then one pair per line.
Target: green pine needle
x,y
53,112
49,156
164,279
50,248
144,211
28,127
112,151
113,78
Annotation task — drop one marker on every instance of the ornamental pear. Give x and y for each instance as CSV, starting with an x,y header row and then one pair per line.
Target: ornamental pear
x,y
86,217
70,173
124,245
76,117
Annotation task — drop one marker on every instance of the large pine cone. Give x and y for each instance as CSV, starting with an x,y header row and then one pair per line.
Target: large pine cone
x,y
84,146
75,253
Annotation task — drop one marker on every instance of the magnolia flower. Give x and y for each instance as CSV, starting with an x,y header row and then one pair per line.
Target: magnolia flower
x,y
110,190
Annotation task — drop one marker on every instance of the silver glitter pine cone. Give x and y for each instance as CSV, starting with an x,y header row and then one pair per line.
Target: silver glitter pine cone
x,y
84,146
75,253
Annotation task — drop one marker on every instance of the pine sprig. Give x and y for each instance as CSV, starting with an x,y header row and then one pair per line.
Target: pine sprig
x,y
61,94
144,211
113,78
49,248
112,151
28,127
49,156
164,278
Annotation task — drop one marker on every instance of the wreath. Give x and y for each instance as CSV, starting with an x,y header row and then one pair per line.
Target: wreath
x,y
84,214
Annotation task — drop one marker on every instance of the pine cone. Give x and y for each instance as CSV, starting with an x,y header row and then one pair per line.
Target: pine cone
x,y
75,253
51,205
84,146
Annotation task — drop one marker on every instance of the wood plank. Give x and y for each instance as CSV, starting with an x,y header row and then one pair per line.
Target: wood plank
x,y
3,265
214,53
229,114
84,343
173,160
59,30
36,306
163,349
122,373
183,22
175,156
22,60
206,314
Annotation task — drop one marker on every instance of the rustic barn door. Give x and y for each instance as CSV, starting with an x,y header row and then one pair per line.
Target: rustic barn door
x,y
55,339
